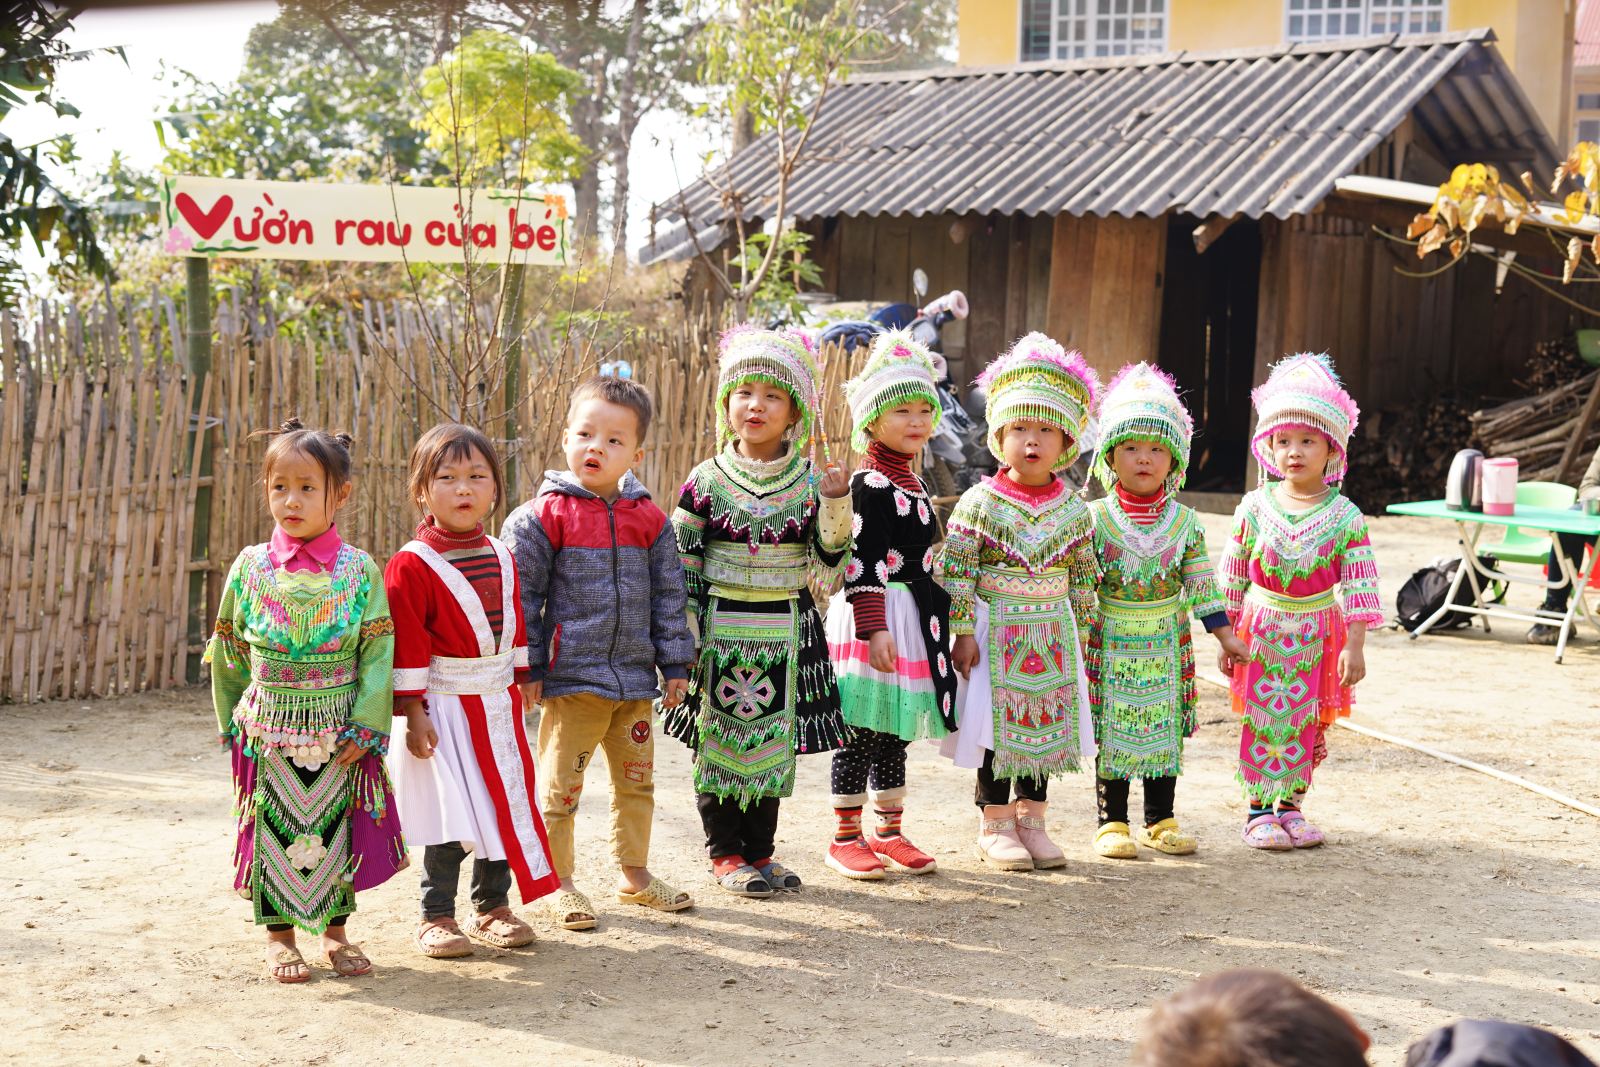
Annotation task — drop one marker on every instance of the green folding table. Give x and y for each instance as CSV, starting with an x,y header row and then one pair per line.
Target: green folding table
x,y
1552,521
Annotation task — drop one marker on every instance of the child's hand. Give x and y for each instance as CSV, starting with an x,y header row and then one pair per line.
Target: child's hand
x,y
1352,665
421,737
349,752
674,692
532,693
965,654
835,481
881,652
1233,650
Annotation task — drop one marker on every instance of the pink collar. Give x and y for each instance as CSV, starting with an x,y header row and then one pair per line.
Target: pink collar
x,y
292,554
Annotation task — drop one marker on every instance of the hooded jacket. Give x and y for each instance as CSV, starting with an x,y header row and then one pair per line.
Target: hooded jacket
x,y
603,592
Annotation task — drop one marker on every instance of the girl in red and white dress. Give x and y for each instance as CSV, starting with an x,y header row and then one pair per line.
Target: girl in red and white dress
x,y
464,779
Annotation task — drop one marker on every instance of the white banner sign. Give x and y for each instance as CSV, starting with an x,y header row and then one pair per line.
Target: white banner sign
x,y
367,223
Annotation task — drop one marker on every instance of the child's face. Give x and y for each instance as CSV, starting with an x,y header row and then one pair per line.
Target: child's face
x,y
602,444
460,493
299,497
1032,449
1301,453
905,428
1141,466
759,413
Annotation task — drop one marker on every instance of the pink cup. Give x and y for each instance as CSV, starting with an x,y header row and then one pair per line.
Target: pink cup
x,y
1500,486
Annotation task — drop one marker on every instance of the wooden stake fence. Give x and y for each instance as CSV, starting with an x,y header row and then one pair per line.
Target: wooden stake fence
x,y
98,478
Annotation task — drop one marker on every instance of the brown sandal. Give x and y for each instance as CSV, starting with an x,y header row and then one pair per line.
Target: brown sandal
x,y
500,928
348,961
288,956
442,939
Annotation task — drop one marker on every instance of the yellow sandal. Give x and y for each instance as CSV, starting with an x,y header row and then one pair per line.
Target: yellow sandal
x,y
658,895
1113,842
1165,836
571,910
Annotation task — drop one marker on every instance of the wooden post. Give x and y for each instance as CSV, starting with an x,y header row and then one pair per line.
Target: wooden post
x,y
1572,455
513,319
197,338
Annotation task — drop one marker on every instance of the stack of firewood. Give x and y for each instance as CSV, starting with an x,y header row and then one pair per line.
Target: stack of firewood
x,y
1537,429
1404,453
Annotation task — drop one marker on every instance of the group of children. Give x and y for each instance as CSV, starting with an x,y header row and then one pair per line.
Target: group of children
x,y
1047,635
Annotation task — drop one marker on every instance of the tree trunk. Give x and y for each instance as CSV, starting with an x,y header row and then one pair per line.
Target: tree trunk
x,y
744,124
627,121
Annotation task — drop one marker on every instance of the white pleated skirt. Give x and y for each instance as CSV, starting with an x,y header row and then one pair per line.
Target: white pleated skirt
x,y
444,798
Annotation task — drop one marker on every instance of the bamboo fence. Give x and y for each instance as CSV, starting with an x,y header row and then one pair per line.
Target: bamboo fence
x,y
99,467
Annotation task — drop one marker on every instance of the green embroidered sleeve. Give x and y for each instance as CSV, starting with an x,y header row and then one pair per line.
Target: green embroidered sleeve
x,y
228,654
1236,560
373,713
959,563
689,525
1200,587
1083,571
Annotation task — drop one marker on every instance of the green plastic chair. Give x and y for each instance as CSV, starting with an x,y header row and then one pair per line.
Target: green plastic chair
x,y
1532,546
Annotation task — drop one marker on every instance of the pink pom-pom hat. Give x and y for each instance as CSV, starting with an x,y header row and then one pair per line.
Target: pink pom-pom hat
x,y
1038,380
1304,390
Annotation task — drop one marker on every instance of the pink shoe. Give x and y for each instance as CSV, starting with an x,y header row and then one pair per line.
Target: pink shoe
x,y
1046,854
899,852
998,843
1301,833
854,859
1265,833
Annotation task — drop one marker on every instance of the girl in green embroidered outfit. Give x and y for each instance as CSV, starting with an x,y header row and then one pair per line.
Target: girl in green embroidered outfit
x,y
752,531
1153,571
301,675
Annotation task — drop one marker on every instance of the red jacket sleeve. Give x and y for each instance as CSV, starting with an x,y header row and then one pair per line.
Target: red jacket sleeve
x,y
409,584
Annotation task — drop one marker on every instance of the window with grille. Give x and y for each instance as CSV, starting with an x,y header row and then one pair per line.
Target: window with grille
x,y
1075,29
1324,20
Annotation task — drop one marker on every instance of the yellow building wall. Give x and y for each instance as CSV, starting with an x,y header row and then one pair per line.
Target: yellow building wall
x,y
990,32
1535,37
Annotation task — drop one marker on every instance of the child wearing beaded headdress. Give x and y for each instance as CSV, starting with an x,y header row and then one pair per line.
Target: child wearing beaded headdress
x,y
755,523
1295,540
301,663
1153,571
887,630
1019,565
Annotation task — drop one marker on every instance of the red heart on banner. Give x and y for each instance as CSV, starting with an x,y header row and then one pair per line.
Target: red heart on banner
x,y
204,223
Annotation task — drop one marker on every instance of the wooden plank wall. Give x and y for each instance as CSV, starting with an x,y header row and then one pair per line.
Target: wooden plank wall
x,y
1331,285
1001,262
1106,288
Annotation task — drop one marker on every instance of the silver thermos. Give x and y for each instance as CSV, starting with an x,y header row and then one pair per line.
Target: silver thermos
x,y
1463,490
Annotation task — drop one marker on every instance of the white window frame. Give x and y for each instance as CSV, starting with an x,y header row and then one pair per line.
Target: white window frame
x,y
1095,21
1373,17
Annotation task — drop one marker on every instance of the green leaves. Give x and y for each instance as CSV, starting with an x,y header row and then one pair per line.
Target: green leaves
x,y
496,109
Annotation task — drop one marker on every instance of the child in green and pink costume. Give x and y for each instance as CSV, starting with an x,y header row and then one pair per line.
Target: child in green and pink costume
x,y
301,676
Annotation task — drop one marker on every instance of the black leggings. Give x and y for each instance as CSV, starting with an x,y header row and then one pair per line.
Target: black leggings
x,y
993,792
1160,795
868,752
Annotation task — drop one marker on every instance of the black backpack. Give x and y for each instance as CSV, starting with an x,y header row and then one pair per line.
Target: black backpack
x,y
1424,593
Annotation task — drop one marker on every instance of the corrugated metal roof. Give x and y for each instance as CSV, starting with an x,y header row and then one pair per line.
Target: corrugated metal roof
x,y
1250,132
1586,48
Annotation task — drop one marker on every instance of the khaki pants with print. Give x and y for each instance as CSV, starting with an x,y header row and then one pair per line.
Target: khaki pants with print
x,y
571,730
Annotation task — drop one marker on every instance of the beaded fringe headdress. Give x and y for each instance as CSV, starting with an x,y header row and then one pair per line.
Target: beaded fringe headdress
x,y
1304,390
1141,404
1039,380
782,358
898,370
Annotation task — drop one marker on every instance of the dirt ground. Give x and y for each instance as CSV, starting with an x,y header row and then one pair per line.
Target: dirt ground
x,y
1442,894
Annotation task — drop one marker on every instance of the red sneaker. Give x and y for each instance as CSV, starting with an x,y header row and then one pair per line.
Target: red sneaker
x,y
854,859
900,852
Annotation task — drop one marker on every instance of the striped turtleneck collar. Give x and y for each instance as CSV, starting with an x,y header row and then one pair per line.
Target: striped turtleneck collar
x,y
1141,510
896,466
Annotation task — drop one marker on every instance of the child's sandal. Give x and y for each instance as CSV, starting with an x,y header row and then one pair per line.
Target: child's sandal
x,y
744,881
779,877
500,928
1264,832
571,910
1113,842
442,939
658,895
1165,836
1301,833
348,961
285,958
